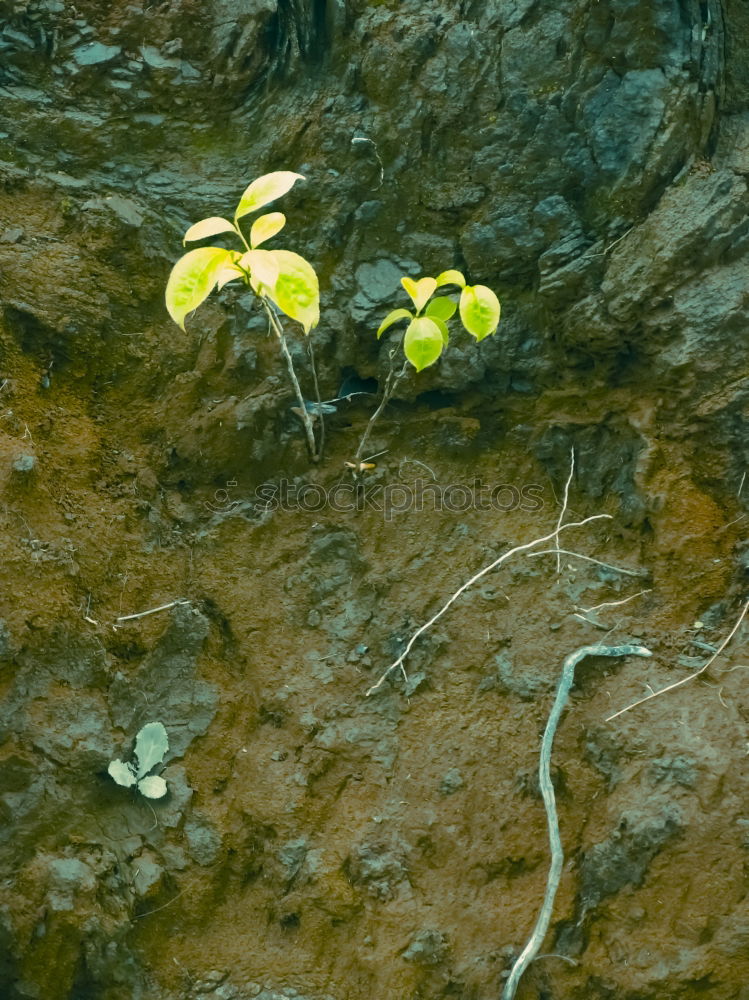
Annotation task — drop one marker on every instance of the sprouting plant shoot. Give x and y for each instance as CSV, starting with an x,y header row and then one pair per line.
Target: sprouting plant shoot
x,y
151,744
282,280
427,334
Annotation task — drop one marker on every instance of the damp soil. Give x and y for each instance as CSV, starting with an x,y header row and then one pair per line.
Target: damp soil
x,y
320,840
326,840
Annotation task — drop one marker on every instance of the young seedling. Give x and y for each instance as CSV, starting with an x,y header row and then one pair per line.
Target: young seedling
x,y
151,744
427,334
283,281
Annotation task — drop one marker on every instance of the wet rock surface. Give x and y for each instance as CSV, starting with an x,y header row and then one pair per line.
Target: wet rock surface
x,y
590,163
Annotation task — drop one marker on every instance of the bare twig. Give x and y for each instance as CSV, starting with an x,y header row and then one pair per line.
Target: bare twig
x,y
579,555
363,139
139,916
415,461
316,384
547,791
615,604
391,384
152,611
691,677
563,511
87,614
602,253
562,958
469,583
741,484
735,521
589,621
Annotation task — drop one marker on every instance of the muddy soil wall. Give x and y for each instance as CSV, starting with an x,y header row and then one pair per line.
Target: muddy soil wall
x,y
587,159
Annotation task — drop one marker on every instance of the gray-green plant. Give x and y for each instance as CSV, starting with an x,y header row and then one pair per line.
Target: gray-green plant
x,y
151,744
282,281
427,334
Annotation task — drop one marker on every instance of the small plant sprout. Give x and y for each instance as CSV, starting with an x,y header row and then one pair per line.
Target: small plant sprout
x,y
283,281
427,334
151,744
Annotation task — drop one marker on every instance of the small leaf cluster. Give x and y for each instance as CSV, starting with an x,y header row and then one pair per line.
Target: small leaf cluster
x,y
151,744
427,334
284,277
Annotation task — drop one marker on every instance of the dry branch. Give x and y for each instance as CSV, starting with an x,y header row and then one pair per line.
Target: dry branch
x,y
691,677
579,555
398,664
563,511
152,611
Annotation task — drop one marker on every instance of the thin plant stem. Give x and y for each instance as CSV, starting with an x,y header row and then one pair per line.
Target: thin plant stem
x,y
318,400
566,681
391,384
563,511
303,412
279,332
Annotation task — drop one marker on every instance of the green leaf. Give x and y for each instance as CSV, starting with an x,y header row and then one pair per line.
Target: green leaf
x,y
391,318
230,273
151,744
450,278
264,189
296,290
262,266
420,291
442,327
192,280
265,227
123,774
479,310
208,227
441,308
227,274
153,787
423,342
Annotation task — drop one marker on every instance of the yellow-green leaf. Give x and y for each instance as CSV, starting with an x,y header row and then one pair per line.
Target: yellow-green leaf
x,y
442,327
450,278
391,318
442,308
192,280
264,189
479,310
262,266
227,274
231,272
420,291
423,342
208,227
296,290
265,227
